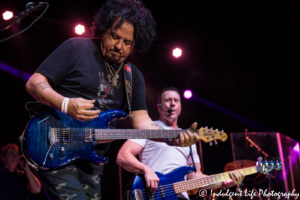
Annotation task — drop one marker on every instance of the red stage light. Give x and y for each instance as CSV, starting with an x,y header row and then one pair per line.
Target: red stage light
x,y
177,52
7,15
79,29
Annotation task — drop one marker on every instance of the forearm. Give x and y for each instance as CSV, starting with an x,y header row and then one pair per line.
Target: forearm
x,y
39,87
130,163
34,185
141,120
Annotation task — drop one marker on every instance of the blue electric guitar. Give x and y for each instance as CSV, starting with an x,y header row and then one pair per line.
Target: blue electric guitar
x,y
173,183
54,139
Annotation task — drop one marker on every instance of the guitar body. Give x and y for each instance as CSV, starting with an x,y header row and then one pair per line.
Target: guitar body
x,y
165,190
54,139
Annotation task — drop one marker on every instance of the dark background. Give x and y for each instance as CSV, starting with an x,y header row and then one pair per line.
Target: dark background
x,y
239,59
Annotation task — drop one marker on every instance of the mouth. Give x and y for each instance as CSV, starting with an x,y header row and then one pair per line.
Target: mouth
x,y
115,53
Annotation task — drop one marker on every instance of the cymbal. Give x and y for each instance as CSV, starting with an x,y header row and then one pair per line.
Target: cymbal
x,y
260,178
239,164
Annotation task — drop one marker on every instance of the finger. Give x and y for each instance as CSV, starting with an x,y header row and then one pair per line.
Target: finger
x,y
89,112
191,137
194,126
196,137
86,118
87,101
184,140
148,184
85,105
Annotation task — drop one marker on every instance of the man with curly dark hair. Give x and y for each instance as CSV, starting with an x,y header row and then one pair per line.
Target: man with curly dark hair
x,y
83,77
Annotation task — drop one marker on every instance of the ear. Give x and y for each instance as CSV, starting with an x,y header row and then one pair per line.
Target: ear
x,y
158,107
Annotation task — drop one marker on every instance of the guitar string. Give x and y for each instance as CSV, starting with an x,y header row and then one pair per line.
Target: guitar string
x,y
169,190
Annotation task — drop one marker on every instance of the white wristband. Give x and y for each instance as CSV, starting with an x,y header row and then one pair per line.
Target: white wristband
x,y
64,105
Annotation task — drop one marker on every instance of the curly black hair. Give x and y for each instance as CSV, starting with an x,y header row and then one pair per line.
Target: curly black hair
x,y
133,11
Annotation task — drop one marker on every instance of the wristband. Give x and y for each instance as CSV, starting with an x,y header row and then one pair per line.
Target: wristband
x,y
64,105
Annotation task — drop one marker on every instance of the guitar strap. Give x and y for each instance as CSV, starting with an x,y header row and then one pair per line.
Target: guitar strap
x,y
128,85
192,158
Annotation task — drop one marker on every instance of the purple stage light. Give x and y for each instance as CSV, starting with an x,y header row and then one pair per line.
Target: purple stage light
x,y
187,94
296,147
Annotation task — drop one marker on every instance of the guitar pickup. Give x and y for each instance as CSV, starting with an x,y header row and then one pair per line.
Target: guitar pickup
x,y
65,133
88,135
59,135
53,135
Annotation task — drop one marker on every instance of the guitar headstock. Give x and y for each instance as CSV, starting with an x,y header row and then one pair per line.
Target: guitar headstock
x,y
266,166
209,135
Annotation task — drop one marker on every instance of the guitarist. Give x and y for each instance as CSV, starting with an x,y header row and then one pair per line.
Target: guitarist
x,y
83,77
164,157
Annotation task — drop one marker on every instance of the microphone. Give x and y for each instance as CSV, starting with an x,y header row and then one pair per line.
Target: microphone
x,y
169,110
36,5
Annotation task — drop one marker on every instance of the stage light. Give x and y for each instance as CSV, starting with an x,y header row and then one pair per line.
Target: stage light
x,y
7,15
187,94
79,29
296,147
177,52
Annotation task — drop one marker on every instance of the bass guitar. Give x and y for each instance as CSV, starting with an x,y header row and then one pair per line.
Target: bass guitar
x,y
173,183
54,139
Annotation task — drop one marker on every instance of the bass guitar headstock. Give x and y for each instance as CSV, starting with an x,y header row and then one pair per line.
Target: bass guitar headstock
x,y
209,135
266,166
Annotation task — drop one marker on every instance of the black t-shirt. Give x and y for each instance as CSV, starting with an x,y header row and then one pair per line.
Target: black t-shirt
x,y
13,185
77,69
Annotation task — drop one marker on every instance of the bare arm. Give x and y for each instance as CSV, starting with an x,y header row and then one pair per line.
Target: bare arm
x,y
141,120
39,87
237,177
126,159
33,185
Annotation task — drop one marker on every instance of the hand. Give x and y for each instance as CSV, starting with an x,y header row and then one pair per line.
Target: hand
x,y
151,179
79,108
188,138
237,177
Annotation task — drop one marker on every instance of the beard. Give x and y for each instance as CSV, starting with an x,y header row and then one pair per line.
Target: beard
x,y
112,58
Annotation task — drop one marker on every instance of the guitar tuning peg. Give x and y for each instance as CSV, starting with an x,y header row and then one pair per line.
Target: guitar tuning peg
x,y
222,131
216,142
217,129
211,128
210,143
206,126
259,158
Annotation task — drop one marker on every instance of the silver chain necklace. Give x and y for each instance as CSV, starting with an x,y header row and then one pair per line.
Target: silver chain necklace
x,y
112,74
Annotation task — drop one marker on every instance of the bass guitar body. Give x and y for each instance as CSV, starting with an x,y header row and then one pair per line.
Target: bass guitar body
x,y
54,139
165,189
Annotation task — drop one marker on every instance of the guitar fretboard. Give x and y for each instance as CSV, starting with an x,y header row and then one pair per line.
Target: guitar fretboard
x,y
110,134
183,186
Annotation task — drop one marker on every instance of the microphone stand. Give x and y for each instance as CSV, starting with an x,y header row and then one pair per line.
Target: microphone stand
x,y
257,147
17,19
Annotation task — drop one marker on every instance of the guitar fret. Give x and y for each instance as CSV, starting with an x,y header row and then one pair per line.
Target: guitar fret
x,y
201,182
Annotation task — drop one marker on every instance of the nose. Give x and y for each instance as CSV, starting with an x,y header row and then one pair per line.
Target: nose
x,y
172,103
118,45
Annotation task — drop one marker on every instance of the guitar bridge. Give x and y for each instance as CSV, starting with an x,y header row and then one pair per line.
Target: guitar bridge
x,y
138,194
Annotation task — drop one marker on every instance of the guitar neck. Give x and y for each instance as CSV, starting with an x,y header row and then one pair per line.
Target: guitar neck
x,y
183,186
117,134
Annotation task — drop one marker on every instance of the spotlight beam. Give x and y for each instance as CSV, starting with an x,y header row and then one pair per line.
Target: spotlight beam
x,y
235,116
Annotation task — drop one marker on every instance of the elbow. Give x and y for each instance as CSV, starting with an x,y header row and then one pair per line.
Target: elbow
x,y
120,159
36,190
28,86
